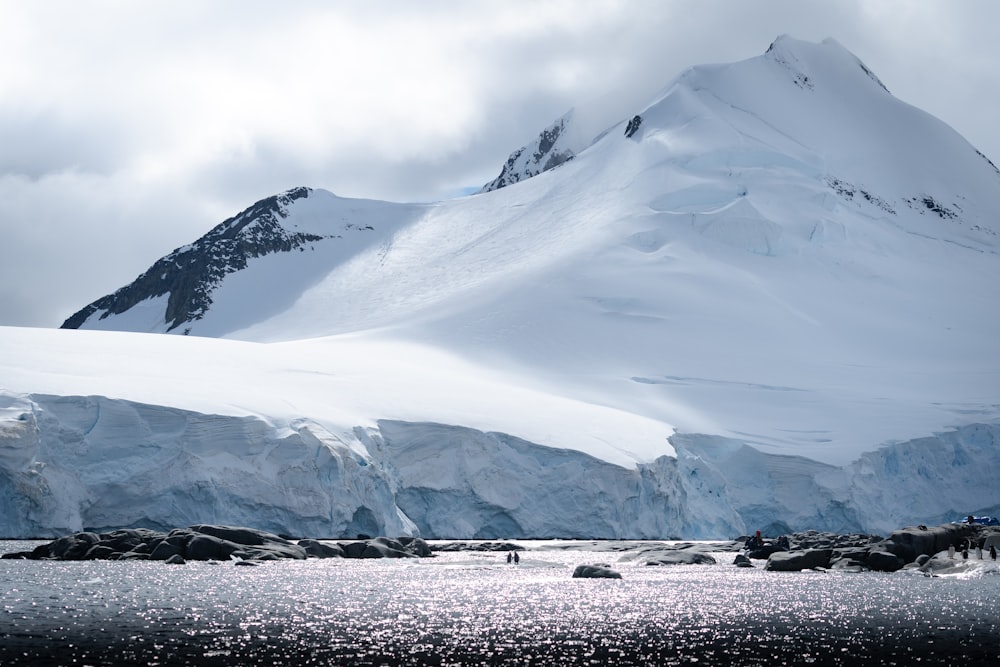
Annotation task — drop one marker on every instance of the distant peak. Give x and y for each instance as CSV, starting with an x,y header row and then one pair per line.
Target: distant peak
x,y
797,55
552,147
190,274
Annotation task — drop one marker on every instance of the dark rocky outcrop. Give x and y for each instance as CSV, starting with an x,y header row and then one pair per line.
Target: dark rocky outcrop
x,y
544,153
417,546
477,546
191,273
681,553
633,126
681,558
595,572
317,549
903,547
383,547
764,552
883,561
204,542
805,559
908,543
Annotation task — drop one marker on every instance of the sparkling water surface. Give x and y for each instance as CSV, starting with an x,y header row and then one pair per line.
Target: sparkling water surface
x,y
472,608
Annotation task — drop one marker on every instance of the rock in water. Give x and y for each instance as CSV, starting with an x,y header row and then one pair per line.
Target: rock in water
x,y
791,561
595,572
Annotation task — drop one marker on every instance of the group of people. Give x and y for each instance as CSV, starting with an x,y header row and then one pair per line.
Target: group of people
x,y
513,557
756,541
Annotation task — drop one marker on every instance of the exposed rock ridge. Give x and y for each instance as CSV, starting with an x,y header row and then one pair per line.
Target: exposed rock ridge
x,y
547,151
191,273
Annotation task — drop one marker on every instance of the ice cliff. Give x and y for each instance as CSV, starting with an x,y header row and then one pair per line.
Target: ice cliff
x,y
69,463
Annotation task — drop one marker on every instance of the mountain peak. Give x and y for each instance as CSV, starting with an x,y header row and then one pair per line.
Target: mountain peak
x,y
800,57
189,275
553,146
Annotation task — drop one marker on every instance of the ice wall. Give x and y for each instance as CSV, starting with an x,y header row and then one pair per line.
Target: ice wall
x,y
456,482
69,463
946,477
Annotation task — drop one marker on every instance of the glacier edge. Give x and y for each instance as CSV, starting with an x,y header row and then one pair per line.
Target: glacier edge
x,y
69,463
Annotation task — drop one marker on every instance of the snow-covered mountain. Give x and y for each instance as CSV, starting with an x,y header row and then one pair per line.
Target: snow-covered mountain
x,y
765,300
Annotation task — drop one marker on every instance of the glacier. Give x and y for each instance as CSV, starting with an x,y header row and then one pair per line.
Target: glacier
x,y
769,302
72,463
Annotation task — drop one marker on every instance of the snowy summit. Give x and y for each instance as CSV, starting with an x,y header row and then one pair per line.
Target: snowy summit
x,y
766,300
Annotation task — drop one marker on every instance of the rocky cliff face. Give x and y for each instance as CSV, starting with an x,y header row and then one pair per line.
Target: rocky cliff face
x,y
190,274
551,148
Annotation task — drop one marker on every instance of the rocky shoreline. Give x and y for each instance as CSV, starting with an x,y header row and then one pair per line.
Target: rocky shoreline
x,y
912,546
809,550
209,542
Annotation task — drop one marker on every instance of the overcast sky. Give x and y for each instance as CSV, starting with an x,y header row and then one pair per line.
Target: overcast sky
x,y
130,128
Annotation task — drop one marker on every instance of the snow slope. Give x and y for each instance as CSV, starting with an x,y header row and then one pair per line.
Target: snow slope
x,y
776,264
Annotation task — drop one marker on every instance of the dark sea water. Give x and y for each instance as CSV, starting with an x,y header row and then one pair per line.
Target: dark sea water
x,y
475,609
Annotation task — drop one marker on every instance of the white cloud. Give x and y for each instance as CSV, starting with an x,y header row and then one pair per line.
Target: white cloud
x,y
130,128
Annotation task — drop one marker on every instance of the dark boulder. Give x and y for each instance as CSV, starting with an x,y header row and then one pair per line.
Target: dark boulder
x,y
908,543
792,561
176,559
680,557
857,554
764,552
208,547
883,561
416,546
848,563
72,547
100,552
317,549
164,550
595,572
43,551
681,553
742,561
123,540
274,551
240,535
353,549
813,539
384,547
477,546
254,544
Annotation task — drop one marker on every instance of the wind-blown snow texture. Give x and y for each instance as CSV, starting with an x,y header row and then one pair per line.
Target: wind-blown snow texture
x,y
766,300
